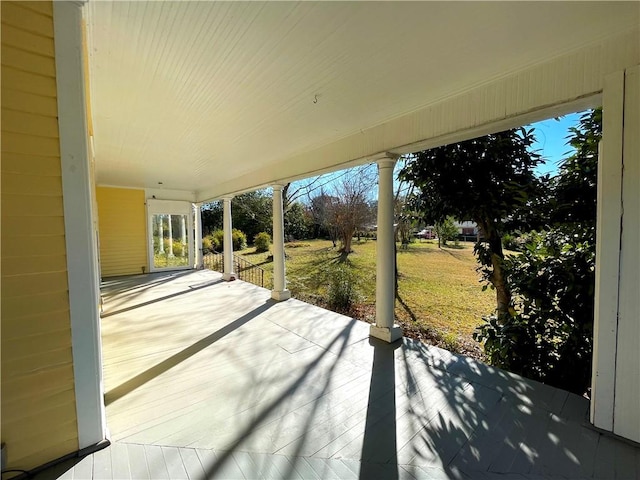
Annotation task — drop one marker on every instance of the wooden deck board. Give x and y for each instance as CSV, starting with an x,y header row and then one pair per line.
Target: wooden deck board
x,y
120,461
173,462
158,464
211,379
84,468
102,465
138,461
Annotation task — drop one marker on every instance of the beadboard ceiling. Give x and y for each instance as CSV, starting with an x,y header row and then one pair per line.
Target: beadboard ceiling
x,y
198,94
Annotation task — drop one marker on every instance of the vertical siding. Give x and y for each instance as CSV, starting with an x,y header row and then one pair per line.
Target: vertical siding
x,y
123,232
38,400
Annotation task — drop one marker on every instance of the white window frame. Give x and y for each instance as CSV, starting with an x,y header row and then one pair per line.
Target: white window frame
x,y
169,207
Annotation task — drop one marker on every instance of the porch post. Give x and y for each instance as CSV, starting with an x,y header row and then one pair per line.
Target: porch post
x,y
160,234
384,328
197,210
170,228
228,274
80,234
279,291
183,234
615,382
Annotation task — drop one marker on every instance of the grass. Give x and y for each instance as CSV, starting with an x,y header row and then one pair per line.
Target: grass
x,y
440,298
161,260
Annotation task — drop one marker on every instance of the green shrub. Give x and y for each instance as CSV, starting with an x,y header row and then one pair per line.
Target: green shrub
x,y
217,240
239,240
262,241
342,291
178,248
207,245
548,336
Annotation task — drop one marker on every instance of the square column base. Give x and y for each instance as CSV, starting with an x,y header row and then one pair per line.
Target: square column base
x,y
229,277
389,335
280,296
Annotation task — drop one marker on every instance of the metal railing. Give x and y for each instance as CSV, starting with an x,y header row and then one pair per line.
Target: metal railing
x,y
245,270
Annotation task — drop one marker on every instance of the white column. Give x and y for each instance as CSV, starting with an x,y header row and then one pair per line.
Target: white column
x,y
384,328
183,234
80,238
615,380
170,228
160,234
197,210
228,274
279,291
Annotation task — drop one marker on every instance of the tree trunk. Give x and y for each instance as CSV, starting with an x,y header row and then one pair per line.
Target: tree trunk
x,y
346,242
497,276
503,294
395,286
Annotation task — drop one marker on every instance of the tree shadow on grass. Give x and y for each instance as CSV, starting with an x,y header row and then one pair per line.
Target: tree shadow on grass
x,y
252,253
342,258
454,254
406,307
265,261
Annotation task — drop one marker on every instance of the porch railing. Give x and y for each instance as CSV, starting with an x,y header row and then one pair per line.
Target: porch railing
x,y
244,269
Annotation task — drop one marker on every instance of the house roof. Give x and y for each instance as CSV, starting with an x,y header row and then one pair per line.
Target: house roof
x,y
217,97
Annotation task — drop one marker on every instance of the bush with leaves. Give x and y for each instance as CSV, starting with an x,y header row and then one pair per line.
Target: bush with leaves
x,y
239,240
548,336
262,241
207,245
178,248
342,290
446,230
217,240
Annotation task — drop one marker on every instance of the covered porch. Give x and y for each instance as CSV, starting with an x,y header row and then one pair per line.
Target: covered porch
x,y
211,379
110,107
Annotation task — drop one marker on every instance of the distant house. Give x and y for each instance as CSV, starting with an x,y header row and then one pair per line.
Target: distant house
x,y
467,228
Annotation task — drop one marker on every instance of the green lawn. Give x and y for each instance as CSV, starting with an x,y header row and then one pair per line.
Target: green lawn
x,y
162,260
441,300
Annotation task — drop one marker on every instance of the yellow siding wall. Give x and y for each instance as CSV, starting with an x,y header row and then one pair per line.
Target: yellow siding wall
x,y
123,232
38,400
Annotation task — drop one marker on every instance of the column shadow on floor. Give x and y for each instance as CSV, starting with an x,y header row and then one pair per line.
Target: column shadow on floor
x,y
380,444
153,372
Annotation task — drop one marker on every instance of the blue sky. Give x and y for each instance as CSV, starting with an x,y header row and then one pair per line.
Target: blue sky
x,y
551,144
551,141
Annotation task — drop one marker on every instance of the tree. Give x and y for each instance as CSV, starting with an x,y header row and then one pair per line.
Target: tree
x,y
296,221
251,213
446,230
549,338
486,180
319,207
211,217
349,208
405,218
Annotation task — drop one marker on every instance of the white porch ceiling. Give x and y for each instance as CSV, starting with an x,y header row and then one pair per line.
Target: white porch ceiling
x,y
198,95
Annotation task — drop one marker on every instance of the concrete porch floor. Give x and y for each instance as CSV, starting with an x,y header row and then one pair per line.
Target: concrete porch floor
x,y
208,379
